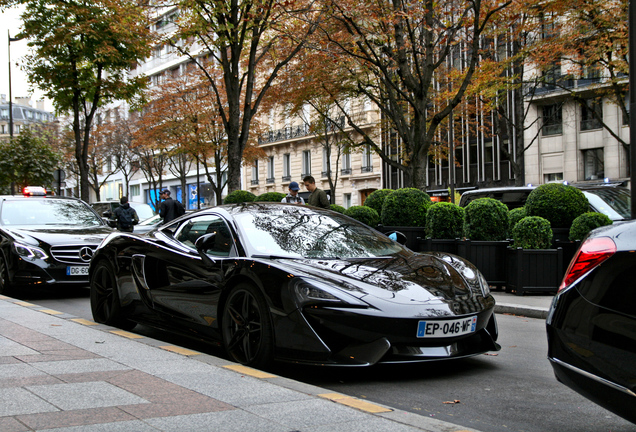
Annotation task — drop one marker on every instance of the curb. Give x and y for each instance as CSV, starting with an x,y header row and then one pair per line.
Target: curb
x,y
527,311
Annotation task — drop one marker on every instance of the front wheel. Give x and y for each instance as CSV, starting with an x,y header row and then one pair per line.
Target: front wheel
x,y
105,303
247,327
5,286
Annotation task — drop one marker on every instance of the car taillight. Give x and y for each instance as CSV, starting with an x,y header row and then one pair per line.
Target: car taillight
x,y
591,253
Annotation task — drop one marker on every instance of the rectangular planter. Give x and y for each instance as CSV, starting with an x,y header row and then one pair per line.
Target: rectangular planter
x,y
488,256
534,270
439,245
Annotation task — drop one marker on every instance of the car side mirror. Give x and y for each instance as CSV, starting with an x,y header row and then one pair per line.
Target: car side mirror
x,y
203,243
397,236
107,214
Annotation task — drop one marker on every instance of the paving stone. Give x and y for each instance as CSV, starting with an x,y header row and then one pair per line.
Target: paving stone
x,y
80,418
225,421
13,370
124,426
9,347
16,401
78,366
85,395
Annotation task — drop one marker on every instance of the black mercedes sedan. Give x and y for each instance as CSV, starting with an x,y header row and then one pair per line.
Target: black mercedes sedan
x,y
591,325
46,240
273,281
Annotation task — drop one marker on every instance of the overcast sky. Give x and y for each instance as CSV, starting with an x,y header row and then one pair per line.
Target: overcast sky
x,y
19,85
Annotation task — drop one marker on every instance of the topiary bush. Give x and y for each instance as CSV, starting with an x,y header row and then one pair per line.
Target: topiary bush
x,y
376,199
444,220
486,219
586,222
558,203
239,196
270,197
405,207
364,214
337,208
515,215
532,232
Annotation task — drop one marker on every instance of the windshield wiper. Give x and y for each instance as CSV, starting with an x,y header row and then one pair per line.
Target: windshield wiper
x,y
276,257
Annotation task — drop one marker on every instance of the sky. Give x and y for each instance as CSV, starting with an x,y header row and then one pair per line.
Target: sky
x,y
10,20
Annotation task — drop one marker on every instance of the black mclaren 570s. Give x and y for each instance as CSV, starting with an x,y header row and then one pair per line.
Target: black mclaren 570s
x,y
284,282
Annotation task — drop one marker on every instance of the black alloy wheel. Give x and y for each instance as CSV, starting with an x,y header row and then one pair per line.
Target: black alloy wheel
x,y
105,304
5,286
247,327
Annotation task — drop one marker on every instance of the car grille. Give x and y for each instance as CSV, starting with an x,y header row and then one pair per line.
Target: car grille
x,y
73,254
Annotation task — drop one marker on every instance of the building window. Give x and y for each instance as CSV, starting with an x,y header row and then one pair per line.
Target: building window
x,y
135,190
346,200
255,172
552,177
594,164
346,163
5,113
367,159
591,114
16,128
325,163
552,120
286,167
306,167
270,170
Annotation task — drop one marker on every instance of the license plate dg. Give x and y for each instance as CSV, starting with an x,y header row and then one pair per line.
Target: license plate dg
x,y
77,271
446,328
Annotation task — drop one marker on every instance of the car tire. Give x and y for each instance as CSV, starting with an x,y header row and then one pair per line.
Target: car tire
x,y
105,304
247,327
5,285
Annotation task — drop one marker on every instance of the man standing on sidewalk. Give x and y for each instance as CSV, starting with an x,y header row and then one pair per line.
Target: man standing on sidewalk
x,y
293,197
168,209
318,197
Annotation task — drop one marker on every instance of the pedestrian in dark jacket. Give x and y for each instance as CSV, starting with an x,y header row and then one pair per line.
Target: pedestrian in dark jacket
x,y
318,197
293,197
168,209
126,216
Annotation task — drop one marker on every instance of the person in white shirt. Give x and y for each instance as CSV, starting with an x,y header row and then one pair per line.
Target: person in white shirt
x,y
293,197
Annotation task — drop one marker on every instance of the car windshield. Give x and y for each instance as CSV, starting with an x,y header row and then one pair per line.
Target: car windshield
x,y
296,232
613,202
48,211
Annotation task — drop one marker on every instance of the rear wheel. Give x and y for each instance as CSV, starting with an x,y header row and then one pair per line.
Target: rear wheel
x,y
247,327
5,286
105,303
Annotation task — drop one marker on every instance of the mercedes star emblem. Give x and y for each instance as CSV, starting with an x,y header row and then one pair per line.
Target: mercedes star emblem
x,y
86,254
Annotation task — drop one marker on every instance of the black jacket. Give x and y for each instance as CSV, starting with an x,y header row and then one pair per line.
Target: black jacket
x,y
168,210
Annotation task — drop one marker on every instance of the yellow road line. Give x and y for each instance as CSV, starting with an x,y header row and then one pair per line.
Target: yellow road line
x,y
126,334
23,303
179,350
51,311
354,403
84,321
245,370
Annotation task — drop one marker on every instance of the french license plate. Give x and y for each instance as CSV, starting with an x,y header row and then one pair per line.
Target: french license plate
x,y
77,271
446,328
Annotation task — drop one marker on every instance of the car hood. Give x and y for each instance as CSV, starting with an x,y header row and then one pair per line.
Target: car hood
x,y
412,280
59,234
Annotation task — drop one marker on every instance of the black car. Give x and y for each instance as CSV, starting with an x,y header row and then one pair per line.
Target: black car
x,y
46,240
293,283
591,325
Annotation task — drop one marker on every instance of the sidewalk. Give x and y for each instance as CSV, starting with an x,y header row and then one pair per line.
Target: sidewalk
x,y
62,373
533,306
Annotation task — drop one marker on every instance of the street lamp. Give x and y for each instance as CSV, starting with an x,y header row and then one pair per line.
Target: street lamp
x,y
9,40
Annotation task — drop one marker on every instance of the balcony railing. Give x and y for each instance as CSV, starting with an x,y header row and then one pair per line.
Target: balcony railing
x,y
325,173
270,180
286,178
254,182
345,171
366,169
590,124
284,134
552,129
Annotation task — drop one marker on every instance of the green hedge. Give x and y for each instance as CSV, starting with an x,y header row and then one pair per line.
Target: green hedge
x,y
486,219
558,203
405,207
375,200
586,222
515,215
364,214
337,208
532,232
444,220
239,196
270,197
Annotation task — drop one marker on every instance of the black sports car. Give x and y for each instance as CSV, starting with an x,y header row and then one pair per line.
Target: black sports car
x,y
591,326
293,283
47,240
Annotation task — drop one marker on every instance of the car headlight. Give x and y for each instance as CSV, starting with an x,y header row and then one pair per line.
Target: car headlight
x,y
308,292
483,283
31,252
